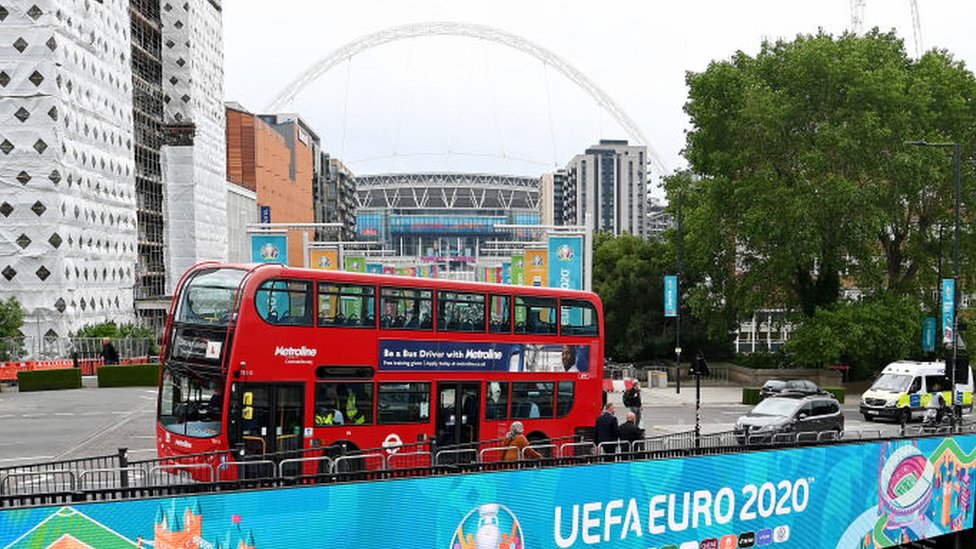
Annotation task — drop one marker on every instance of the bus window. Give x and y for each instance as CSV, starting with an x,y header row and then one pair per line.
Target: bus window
x,y
539,314
403,403
532,399
406,308
208,297
190,403
496,400
577,318
347,305
501,314
564,398
460,312
285,302
343,403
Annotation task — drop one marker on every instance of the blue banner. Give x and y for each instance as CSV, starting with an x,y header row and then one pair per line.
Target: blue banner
x,y
670,295
265,214
374,268
269,248
406,355
847,496
948,308
928,334
506,273
566,262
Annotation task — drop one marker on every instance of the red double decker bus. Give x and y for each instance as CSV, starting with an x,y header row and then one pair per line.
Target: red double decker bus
x,y
272,360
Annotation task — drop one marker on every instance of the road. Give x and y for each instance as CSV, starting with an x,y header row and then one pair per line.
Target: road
x,y
56,425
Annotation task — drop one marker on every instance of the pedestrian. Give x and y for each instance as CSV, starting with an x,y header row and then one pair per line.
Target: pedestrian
x,y
517,444
632,400
630,432
109,354
607,430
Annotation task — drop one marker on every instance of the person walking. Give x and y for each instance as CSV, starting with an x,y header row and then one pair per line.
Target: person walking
x,y
632,400
607,430
109,354
517,444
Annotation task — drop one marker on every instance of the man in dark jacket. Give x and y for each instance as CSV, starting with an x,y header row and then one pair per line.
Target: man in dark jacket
x,y
607,430
630,432
632,400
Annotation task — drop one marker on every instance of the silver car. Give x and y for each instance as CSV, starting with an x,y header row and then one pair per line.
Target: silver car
x,y
799,414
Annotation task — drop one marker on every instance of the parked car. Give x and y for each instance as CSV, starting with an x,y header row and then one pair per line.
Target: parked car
x,y
779,387
790,414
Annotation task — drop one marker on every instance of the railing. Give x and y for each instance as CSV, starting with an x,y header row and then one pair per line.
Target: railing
x,y
114,477
15,349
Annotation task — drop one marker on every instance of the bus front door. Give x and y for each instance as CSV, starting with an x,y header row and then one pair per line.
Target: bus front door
x,y
458,410
271,419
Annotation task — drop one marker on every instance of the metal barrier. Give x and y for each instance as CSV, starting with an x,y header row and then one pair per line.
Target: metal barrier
x,y
244,468
575,447
545,450
167,470
354,463
112,477
484,454
5,488
419,459
300,462
454,457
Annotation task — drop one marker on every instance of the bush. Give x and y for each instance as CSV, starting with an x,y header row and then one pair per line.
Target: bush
x,y
838,393
140,375
45,380
750,395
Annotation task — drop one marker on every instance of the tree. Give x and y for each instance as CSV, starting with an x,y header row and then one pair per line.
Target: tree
x,y
11,318
803,175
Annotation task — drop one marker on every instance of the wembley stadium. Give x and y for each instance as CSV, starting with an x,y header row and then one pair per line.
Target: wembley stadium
x,y
444,217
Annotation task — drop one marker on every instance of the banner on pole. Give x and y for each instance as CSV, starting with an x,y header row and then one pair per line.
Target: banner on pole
x,y
326,259
670,296
537,268
355,264
518,270
948,308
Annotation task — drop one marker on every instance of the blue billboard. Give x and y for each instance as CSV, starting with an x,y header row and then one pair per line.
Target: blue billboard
x,y
928,334
850,496
566,262
409,356
269,248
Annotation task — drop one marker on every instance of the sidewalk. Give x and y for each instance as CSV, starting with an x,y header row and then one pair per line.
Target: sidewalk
x,y
710,396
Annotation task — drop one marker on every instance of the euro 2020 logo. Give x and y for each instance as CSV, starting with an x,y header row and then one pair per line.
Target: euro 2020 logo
x,y
564,253
489,526
325,262
269,252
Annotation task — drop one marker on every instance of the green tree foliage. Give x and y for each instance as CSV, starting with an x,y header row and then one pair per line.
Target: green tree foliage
x,y
867,334
804,182
11,317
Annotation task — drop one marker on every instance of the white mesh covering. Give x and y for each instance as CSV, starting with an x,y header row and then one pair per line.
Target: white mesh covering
x,y
194,174
67,188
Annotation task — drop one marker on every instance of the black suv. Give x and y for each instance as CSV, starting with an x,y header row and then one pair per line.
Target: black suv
x,y
795,414
779,387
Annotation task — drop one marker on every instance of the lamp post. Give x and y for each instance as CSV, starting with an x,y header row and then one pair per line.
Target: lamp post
x,y
957,163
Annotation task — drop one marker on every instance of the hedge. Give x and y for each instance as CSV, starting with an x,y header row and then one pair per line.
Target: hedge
x,y
139,375
750,395
44,380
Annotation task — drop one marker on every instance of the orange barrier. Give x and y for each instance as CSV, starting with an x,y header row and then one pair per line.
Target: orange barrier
x,y
89,366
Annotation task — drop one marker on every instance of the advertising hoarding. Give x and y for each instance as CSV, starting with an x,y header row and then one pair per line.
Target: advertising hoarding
x,y
848,496
354,264
408,355
537,268
326,259
518,270
269,247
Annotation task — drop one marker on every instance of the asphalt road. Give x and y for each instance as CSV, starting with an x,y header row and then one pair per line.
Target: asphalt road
x,y
56,425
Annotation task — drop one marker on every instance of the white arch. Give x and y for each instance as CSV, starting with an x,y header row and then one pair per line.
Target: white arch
x,y
481,32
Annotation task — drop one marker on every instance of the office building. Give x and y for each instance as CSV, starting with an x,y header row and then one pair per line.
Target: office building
x,y
608,181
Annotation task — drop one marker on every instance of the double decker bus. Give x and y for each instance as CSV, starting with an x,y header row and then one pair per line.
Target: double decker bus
x,y
270,360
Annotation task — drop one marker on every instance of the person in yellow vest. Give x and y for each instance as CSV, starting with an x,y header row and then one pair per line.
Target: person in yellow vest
x,y
328,414
353,415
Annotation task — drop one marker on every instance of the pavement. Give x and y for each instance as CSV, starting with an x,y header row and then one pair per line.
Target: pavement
x,y
711,396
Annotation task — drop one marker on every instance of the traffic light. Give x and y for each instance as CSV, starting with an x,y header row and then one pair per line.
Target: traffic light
x,y
698,366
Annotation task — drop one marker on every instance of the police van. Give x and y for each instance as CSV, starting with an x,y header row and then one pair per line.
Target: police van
x,y
905,388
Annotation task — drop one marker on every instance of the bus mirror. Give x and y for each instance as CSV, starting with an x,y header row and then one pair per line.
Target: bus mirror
x,y
247,413
248,398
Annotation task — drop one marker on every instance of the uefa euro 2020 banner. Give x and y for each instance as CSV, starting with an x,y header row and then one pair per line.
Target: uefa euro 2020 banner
x,y
566,262
269,248
851,496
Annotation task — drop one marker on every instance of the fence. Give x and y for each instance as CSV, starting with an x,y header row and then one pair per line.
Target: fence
x,y
115,477
31,348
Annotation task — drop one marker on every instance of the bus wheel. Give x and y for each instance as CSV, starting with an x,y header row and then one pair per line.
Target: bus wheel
x,y
538,438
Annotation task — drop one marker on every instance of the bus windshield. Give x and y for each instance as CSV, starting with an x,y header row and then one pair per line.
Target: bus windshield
x,y
190,403
208,297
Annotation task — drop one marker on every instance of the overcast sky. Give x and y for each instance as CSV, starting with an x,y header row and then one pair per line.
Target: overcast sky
x,y
461,104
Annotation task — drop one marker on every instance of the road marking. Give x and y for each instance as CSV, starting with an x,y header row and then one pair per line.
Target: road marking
x,y
31,458
143,451
68,414
6,416
153,437
32,415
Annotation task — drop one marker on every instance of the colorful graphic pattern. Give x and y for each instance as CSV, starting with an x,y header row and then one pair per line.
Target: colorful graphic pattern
x,y
854,496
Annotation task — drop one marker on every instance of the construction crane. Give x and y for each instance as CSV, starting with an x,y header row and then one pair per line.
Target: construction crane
x,y
857,22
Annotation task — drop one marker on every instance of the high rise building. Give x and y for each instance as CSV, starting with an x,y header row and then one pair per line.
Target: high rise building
x,y
607,181
335,198
108,179
546,195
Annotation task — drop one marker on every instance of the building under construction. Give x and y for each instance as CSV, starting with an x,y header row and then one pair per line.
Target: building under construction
x,y
111,141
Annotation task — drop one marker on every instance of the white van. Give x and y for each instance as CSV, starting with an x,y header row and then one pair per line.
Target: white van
x,y
905,388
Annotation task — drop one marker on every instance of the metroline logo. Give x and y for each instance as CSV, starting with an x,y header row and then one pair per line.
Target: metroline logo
x,y
302,351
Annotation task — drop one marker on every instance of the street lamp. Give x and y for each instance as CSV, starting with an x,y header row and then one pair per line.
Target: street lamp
x,y
957,162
